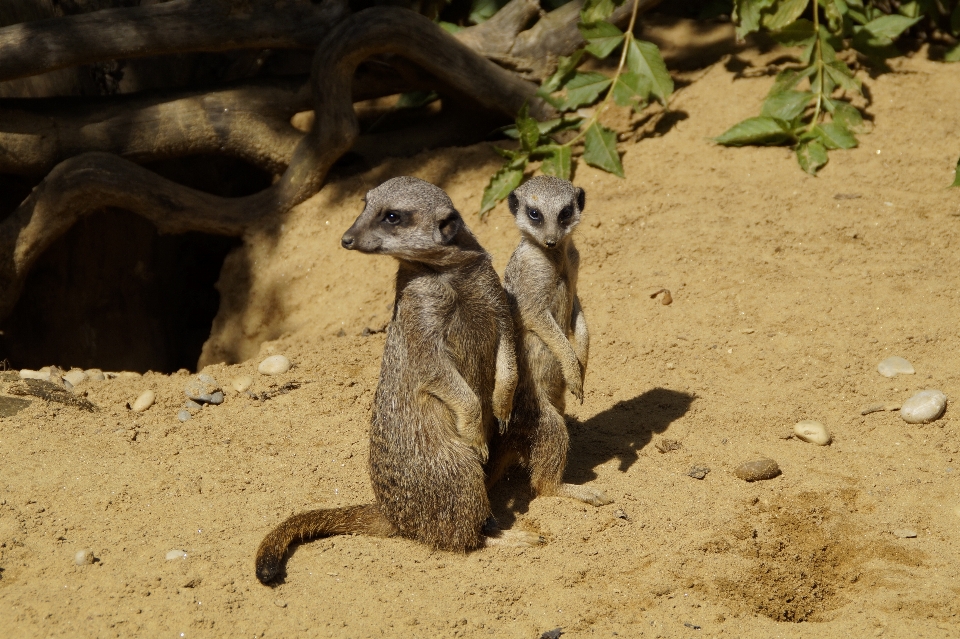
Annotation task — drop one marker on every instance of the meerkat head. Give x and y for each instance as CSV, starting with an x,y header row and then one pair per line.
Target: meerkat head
x,y
408,219
547,209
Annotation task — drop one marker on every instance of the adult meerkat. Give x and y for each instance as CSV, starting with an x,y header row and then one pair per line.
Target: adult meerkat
x,y
448,374
552,339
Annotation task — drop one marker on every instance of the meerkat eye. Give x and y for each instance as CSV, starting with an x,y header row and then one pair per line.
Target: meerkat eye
x,y
565,214
392,217
534,215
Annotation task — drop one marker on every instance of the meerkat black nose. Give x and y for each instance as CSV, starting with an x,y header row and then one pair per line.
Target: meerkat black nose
x,y
346,242
551,243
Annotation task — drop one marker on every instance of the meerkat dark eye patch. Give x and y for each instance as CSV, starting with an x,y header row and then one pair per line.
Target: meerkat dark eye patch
x,y
393,218
535,215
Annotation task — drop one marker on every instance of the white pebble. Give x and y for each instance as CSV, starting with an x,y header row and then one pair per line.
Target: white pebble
x,y
926,406
84,557
905,533
95,374
29,374
183,415
176,554
242,383
893,366
75,376
813,432
274,365
144,401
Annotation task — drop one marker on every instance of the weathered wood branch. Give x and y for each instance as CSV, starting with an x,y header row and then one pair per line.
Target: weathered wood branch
x,y
92,181
179,26
534,53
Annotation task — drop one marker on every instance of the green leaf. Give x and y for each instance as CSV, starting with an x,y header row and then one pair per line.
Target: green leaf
x,y
450,27
811,155
515,159
631,89
890,26
788,79
503,181
600,149
835,10
786,12
596,10
761,131
956,175
952,55
483,10
834,135
557,161
841,74
643,58
879,48
415,99
795,34
602,38
746,13
847,116
786,105
584,88
565,69
528,132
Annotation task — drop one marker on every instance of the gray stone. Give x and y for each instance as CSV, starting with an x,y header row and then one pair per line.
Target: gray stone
x,y
84,557
184,415
893,366
924,407
202,388
757,470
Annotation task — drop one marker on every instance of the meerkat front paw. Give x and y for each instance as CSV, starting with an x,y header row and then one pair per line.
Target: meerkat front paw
x,y
576,387
585,494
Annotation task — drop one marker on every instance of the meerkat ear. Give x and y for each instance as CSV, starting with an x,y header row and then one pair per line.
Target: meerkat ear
x,y
581,197
513,202
448,228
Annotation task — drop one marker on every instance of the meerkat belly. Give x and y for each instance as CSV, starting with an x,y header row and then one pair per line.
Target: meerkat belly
x,y
540,372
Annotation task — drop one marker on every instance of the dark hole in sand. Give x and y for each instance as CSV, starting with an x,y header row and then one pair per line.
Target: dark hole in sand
x,y
113,293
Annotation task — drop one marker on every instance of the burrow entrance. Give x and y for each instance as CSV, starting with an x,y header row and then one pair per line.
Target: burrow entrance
x,y
113,293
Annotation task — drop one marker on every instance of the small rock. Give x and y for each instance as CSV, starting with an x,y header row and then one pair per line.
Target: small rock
x,y
184,415
619,514
279,603
95,374
241,383
144,401
757,469
924,407
552,634
904,533
192,406
75,376
274,365
217,398
667,445
893,366
176,554
29,374
812,432
698,472
67,385
84,557
202,388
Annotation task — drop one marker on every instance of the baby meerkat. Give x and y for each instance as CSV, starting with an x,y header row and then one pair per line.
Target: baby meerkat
x,y
448,375
552,339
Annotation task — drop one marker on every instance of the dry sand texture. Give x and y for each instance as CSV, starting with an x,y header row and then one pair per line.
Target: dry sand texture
x,y
787,291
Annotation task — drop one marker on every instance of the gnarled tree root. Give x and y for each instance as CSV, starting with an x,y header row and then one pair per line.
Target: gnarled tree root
x,y
92,181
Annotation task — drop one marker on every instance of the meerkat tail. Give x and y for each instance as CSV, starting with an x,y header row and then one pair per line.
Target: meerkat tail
x,y
365,520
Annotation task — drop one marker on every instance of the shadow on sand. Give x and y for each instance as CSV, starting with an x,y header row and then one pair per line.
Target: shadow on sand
x,y
619,432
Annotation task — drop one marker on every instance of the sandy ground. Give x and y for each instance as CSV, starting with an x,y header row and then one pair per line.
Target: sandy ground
x,y
788,290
